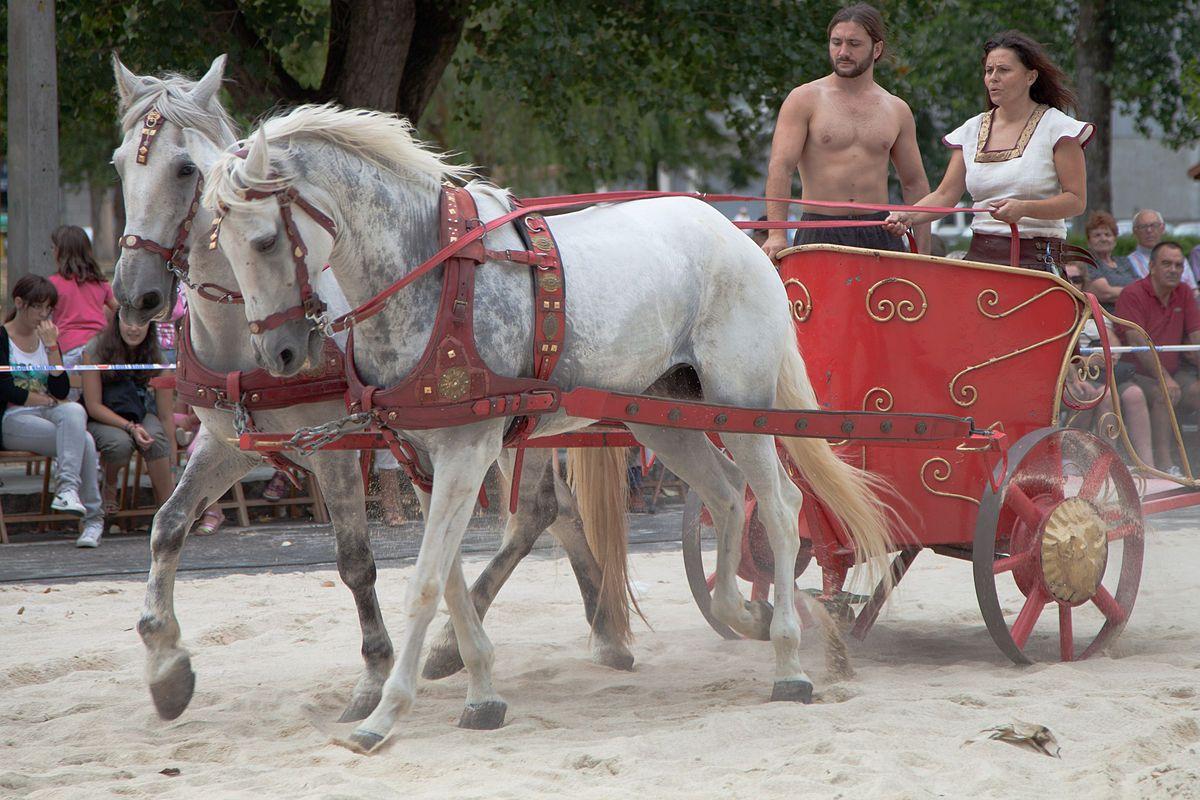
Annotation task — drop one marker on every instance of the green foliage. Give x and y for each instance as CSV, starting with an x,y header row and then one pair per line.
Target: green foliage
x,y
609,92
576,93
158,36
605,91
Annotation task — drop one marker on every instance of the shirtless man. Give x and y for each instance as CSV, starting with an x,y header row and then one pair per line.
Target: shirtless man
x,y
840,131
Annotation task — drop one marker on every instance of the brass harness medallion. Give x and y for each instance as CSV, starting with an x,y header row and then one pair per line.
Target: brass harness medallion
x,y
454,383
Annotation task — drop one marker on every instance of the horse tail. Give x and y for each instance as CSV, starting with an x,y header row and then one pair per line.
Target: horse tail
x,y
852,495
599,477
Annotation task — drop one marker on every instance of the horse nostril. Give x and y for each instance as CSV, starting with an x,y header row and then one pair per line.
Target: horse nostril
x,y
285,356
149,301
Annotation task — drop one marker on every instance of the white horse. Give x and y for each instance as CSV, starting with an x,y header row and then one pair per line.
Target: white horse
x,y
651,286
157,196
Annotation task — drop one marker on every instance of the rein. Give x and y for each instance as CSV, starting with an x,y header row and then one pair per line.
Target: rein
x,y
375,304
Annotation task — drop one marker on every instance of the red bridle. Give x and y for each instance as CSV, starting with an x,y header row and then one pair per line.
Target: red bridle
x,y
311,306
175,257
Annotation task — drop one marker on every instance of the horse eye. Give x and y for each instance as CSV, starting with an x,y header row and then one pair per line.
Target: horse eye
x,y
265,245
187,169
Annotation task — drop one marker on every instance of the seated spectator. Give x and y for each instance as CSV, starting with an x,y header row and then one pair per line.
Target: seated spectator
x,y
1135,412
122,409
85,298
36,418
759,235
1148,229
1166,309
167,331
1194,263
1113,273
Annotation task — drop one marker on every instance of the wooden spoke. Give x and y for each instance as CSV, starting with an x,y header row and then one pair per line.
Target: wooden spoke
x,y
1034,604
1021,505
1108,605
1094,480
711,582
1066,638
1121,531
1011,562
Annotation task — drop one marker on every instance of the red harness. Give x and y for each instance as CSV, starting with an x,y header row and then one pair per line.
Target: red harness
x,y
451,384
243,393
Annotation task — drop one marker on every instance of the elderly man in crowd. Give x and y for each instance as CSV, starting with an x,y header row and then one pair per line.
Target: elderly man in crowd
x,y
1148,229
1166,309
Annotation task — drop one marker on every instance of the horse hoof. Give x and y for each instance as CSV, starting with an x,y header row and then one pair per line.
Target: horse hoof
x,y
442,663
614,658
364,741
359,708
173,691
795,691
761,612
486,716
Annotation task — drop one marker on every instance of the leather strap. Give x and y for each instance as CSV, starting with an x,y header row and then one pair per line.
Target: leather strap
x,y
311,306
451,384
151,125
257,389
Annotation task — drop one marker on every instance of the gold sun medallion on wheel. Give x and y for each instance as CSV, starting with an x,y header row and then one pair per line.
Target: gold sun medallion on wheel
x,y
454,383
1074,551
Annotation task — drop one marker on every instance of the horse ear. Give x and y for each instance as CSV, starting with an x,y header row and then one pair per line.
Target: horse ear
x,y
204,154
128,84
258,159
206,88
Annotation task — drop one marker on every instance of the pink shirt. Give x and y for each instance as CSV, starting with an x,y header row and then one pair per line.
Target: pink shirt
x,y
79,314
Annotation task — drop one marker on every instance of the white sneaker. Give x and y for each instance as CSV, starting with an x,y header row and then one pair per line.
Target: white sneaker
x,y
68,501
92,531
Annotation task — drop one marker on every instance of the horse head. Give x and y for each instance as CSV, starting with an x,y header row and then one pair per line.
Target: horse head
x,y
277,244
160,182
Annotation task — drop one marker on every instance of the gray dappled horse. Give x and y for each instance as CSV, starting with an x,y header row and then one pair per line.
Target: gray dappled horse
x,y
652,286
157,196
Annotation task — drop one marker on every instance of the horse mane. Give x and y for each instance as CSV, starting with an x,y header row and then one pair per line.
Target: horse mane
x,y
385,140
171,95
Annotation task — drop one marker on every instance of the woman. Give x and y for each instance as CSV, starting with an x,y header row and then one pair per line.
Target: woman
x,y
85,298
1022,158
35,418
1112,273
122,410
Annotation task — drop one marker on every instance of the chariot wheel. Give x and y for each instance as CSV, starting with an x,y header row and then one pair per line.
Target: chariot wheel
x,y
1063,533
757,565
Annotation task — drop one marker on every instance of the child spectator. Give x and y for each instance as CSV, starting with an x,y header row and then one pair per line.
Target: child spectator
x,y
35,418
122,410
85,298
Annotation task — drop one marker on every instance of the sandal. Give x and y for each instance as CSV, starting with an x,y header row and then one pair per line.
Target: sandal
x,y
109,504
210,523
277,488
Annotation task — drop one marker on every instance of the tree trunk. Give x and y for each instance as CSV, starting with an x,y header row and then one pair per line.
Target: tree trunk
x,y
1093,65
369,45
438,30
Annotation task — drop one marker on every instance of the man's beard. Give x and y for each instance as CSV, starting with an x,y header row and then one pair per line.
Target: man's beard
x,y
857,68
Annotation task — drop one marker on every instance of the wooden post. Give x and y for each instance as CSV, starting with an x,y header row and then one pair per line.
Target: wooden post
x,y
33,193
